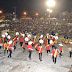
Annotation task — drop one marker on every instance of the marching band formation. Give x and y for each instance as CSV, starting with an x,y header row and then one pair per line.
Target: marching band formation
x,y
31,42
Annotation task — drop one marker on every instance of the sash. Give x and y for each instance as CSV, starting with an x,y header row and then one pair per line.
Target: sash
x,y
8,47
34,41
40,49
55,54
36,45
44,38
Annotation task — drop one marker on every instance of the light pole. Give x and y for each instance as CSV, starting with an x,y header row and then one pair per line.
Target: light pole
x,y
50,11
50,3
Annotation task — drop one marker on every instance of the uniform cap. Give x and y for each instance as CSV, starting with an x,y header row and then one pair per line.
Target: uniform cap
x,y
26,39
17,33
3,36
8,36
30,42
10,42
41,41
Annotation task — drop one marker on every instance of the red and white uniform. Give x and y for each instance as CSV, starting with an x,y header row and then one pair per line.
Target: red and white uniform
x,y
29,47
9,47
21,39
40,48
53,51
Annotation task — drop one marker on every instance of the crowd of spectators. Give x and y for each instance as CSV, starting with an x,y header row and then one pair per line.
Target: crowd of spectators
x,y
39,26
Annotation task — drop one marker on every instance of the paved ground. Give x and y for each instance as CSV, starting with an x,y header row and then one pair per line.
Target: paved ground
x,y
21,63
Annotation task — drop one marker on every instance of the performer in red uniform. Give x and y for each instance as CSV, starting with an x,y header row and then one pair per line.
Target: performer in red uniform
x,y
48,48
14,44
5,48
9,48
30,48
55,51
40,49
61,50
46,41
21,40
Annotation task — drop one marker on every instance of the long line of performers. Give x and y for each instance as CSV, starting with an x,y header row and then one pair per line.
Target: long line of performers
x,y
32,42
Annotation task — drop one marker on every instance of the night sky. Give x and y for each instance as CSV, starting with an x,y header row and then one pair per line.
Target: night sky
x,y
32,6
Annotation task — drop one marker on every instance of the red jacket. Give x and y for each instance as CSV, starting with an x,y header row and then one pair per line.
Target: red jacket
x,y
36,45
21,39
53,51
46,41
29,47
9,47
47,47
26,41
60,48
40,48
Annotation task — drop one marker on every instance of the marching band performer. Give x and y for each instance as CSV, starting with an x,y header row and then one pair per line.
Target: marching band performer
x,y
30,48
36,46
61,50
14,44
48,48
55,51
5,47
21,40
10,48
40,49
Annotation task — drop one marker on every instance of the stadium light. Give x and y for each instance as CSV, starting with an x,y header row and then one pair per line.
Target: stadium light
x,y
50,3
